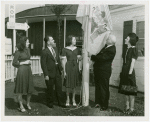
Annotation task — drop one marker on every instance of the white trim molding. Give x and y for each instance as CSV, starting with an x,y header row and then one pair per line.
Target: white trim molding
x,y
126,8
137,19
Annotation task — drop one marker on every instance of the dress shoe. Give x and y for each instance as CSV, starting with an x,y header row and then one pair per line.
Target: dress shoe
x,y
62,105
97,106
50,106
103,108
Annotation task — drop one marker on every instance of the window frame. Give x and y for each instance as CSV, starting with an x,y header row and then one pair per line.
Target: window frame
x,y
135,20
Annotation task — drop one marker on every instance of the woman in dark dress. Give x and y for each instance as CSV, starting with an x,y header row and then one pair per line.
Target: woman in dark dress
x,y
127,77
24,80
70,55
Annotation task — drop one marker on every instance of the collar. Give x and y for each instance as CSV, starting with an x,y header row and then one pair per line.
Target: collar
x,y
49,47
109,46
72,49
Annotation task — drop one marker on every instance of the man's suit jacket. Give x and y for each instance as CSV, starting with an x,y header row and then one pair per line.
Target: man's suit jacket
x,y
103,60
48,62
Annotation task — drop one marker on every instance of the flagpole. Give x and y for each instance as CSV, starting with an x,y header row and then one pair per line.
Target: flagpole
x,y
85,81
85,77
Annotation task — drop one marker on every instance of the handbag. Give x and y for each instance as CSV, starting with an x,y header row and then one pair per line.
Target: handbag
x,y
129,89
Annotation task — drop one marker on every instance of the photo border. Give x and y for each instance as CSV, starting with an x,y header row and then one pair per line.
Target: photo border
x,y
76,118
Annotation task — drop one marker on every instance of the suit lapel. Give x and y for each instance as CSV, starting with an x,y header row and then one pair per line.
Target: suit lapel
x,y
50,54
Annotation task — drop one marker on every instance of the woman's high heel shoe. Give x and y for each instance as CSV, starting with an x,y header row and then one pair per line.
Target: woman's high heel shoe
x,y
126,111
74,103
29,107
22,109
67,103
131,112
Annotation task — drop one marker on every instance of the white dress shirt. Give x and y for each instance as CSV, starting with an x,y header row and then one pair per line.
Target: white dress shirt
x,y
50,48
54,54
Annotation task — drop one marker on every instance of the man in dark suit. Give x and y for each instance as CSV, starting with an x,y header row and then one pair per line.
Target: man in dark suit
x,y
102,72
51,66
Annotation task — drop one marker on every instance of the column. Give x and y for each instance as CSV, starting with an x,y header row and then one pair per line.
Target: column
x,y
43,33
14,48
27,30
64,31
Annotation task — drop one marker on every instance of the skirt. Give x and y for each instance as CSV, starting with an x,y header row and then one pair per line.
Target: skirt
x,y
24,80
127,84
72,72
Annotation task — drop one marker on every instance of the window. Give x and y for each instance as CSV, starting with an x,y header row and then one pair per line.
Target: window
x,y
79,41
140,31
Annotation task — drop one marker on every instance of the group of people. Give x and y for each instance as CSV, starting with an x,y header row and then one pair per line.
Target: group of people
x,y
53,69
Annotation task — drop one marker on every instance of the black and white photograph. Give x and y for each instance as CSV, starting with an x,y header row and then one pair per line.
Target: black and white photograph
x,y
77,59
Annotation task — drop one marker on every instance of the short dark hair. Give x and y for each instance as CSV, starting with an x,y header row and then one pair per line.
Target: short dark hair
x,y
133,39
22,43
69,40
47,38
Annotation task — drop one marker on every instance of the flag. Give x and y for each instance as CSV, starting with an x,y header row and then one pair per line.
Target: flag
x,y
83,16
101,25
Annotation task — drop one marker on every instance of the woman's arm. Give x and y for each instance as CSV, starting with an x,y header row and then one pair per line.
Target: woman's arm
x,y
64,60
25,62
79,57
16,62
132,66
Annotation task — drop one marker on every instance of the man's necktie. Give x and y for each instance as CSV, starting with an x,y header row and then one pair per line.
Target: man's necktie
x,y
54,55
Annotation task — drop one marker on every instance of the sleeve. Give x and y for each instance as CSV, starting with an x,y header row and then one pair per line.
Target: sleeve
x,y
59,62
16,62
103,57
43,63
63,53
134,53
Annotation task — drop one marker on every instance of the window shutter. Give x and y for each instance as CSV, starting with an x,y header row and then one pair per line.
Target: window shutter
x,y
127,28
